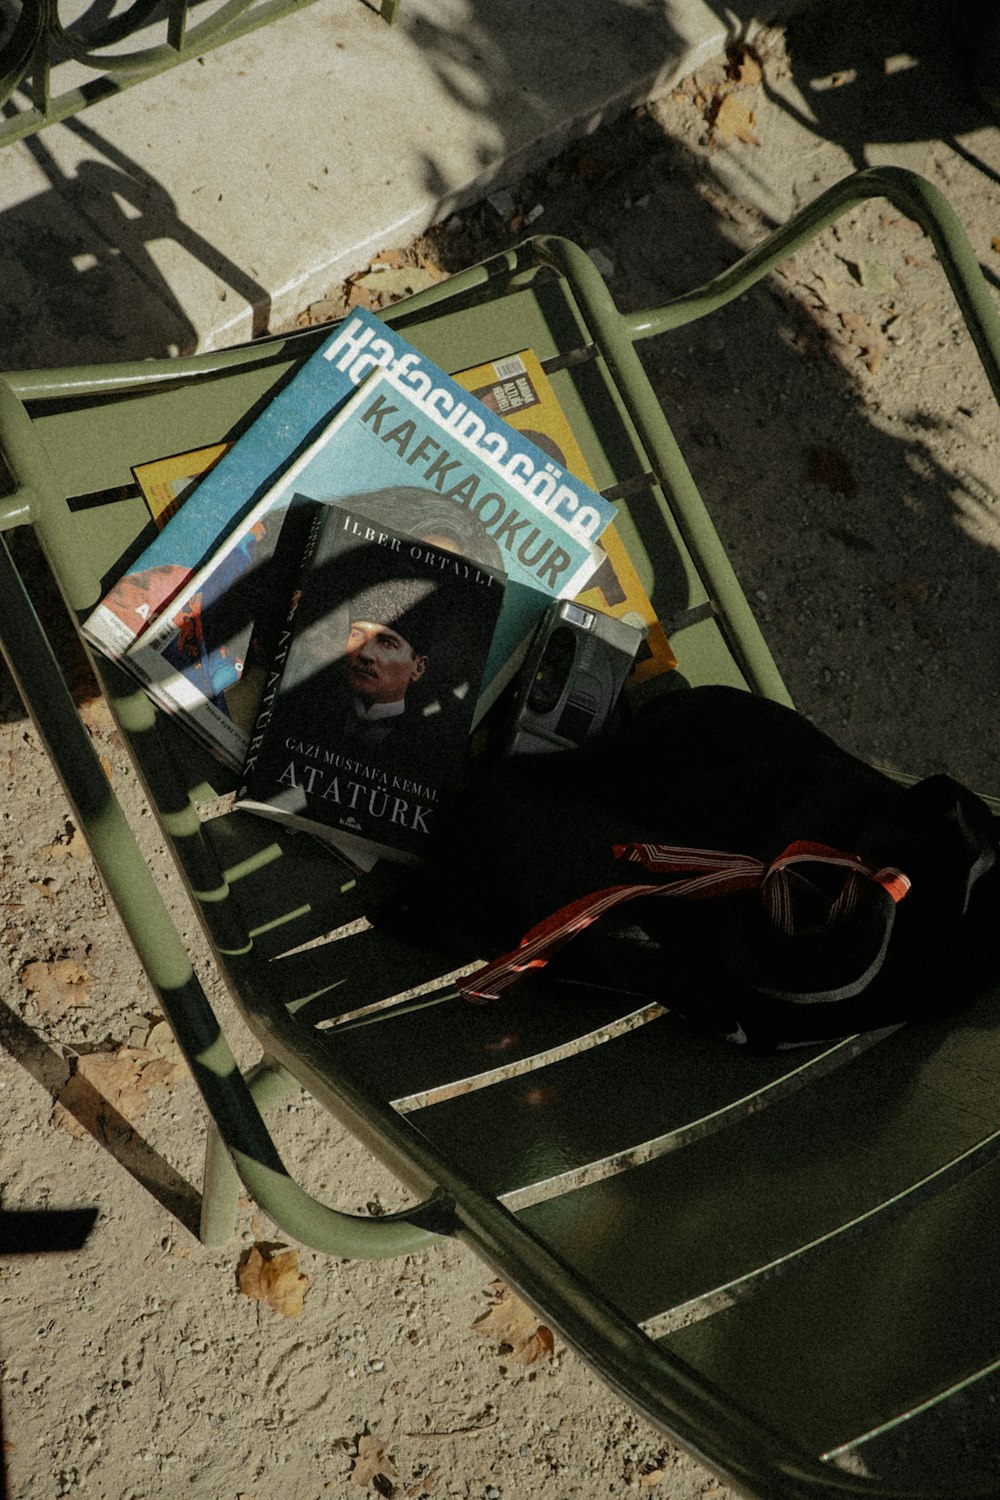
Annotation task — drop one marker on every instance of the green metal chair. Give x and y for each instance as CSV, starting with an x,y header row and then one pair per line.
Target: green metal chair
x,y
32,48
790,1262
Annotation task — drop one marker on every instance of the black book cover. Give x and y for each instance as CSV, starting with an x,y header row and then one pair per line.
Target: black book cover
x,y
368,705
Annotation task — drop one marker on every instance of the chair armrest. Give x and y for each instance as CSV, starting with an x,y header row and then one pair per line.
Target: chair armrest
x,y
914,196
21,454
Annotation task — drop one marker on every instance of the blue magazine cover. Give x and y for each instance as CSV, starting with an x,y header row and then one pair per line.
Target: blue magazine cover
x,y
246,472
448,478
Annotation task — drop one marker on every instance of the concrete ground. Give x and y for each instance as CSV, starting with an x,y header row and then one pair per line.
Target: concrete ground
x,y
200,207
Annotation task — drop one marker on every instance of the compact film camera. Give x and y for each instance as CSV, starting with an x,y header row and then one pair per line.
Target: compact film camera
x,y
576,666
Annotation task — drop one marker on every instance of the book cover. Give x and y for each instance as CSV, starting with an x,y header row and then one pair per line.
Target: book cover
x,y
420,474
518,389
203,661
365,718
282,430
167,482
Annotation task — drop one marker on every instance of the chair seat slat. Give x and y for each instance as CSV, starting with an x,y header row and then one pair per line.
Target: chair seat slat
x,y
668,1080
669,1083
920,1449
869,1330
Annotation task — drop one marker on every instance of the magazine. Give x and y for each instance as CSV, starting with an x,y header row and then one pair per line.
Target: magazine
x,y
204,661
460,485
367,708
518,389
284,427
167,482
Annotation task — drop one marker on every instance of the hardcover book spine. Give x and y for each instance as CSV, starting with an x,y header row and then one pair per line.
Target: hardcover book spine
x,y
276,665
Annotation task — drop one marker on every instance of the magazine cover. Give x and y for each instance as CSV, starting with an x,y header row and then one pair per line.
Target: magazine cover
x,y
203,662
167,482
418,474
367,708
518,389
285,426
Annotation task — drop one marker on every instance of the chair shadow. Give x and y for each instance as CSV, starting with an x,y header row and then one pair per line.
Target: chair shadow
x,y
883,75
873,579
81,282
879,78
98,1117
39,1231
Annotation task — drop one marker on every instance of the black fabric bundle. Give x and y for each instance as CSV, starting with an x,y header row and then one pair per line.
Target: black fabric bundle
x,y
723,770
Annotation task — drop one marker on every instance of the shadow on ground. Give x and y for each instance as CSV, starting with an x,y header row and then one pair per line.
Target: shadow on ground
x,y
80,282
835,418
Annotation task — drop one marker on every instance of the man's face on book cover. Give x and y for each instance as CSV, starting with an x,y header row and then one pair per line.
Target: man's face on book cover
x,y
380,663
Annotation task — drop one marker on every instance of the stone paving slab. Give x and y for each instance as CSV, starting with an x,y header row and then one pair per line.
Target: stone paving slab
x,y
197,208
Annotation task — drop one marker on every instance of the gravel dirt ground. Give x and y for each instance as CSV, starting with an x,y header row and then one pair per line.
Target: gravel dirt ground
x,y
847,445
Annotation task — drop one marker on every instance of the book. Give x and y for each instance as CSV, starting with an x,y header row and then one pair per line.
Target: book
x,y
425,474
518,389
203,663
365,719
283,428
166,482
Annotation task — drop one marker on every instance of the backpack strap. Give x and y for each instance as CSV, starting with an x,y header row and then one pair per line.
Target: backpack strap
x,y
701,874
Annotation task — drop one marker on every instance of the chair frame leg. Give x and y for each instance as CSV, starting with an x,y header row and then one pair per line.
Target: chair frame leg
x,y
268,1083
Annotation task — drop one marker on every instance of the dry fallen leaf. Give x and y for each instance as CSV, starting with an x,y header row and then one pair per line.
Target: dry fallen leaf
x,y
109,1091
908,593
742,67
360,296
733,119
867,340
873,276
163,1043
70,845
512,1325
373,1463
96,714
591,168
393,283
271,1274
394,258
56,985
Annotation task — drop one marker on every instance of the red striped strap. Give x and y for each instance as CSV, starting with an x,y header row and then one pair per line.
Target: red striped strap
x,y
707,872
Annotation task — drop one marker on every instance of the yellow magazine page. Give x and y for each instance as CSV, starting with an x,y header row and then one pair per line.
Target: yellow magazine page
x,y
166,482
518,389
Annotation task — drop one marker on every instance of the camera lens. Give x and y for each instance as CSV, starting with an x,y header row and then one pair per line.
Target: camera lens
x,y
552,672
